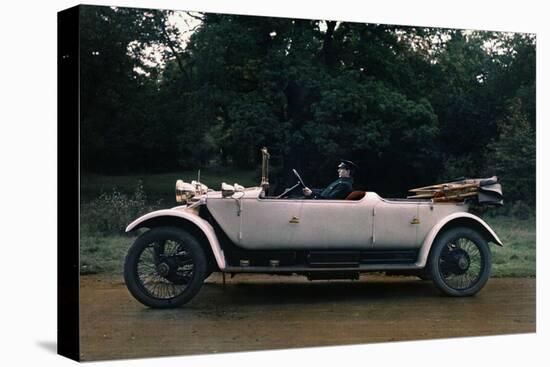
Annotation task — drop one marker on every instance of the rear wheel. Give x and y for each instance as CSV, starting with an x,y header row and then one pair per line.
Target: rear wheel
x,y
165,267
460,262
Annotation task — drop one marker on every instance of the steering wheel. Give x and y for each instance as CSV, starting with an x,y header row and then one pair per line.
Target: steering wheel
x,y
289,190
299,178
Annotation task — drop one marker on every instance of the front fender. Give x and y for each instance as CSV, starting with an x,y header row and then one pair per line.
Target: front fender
x,y
189,216
461,218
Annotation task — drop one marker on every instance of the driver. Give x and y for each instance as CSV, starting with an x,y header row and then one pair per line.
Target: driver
x,y
340,188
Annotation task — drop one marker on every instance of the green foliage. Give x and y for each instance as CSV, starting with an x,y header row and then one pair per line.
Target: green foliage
x,y
410,105
110,213
514,156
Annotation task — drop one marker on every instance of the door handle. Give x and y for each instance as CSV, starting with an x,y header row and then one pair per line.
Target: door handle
x,y
415,220
294,220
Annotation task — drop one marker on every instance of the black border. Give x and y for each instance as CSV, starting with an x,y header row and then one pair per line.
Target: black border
x,y
68,183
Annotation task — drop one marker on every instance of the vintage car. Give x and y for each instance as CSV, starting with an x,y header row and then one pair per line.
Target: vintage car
x,y
243,230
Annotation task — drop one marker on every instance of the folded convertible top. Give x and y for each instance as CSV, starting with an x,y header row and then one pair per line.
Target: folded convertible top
x,y
484,190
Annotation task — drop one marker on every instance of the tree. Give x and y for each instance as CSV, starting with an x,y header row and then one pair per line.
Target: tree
x,y
411,105
122,127
513,156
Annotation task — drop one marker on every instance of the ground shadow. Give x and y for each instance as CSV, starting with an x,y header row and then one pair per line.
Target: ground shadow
x,y
254,293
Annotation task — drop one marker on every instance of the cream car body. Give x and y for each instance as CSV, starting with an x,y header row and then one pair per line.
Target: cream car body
x,y
372,223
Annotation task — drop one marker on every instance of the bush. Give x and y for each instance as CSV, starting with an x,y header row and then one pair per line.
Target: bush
x,y
110,213
516,209
521,210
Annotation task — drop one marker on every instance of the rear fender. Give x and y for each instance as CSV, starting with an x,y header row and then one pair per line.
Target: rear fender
x,y
454,220
182,217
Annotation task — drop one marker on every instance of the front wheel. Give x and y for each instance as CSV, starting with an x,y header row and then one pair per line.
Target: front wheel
x,y
165,267
460,262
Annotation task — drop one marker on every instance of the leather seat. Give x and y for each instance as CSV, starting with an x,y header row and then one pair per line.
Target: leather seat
x,y
356,195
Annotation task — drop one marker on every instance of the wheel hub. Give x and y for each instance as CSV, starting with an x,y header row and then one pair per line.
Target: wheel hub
x,y
170,268
163,269
167,266
463,263
457,261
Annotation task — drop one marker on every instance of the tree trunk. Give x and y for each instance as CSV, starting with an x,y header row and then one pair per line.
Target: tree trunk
x,y
329,53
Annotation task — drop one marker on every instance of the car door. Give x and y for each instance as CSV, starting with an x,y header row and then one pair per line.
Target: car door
x,y
269,224
395,224
335,224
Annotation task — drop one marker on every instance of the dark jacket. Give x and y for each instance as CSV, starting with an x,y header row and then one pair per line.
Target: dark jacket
x,y
338,190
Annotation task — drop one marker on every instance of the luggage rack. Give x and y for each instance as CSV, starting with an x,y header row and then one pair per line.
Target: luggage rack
x,y
485,190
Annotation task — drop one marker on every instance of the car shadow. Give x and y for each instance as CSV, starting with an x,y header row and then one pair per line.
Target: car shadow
x,y
319,291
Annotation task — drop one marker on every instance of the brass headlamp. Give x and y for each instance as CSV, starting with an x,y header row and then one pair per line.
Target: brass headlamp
x,y
184,191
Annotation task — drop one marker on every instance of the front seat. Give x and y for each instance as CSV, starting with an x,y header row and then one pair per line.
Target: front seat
x,y
356,195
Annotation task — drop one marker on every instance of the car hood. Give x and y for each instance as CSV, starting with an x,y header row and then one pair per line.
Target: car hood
x,y
249,192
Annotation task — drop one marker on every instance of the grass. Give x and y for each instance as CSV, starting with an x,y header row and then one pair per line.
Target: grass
x,y
517,258
104,254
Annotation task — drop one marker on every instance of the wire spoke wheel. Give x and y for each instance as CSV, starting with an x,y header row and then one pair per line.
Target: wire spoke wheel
x,y
165,267
460,262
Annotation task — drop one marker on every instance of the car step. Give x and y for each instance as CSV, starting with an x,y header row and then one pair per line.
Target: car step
x,y
333,259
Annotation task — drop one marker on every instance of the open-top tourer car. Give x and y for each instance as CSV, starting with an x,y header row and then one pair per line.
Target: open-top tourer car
x,y
243,230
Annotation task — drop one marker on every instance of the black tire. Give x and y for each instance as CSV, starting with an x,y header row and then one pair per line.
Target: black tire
x,y
165,267
460,262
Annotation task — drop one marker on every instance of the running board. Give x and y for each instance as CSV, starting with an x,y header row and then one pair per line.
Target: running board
x,y
356,259
306,269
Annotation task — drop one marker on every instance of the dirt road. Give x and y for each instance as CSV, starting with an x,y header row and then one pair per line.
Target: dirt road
x,y
269,312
